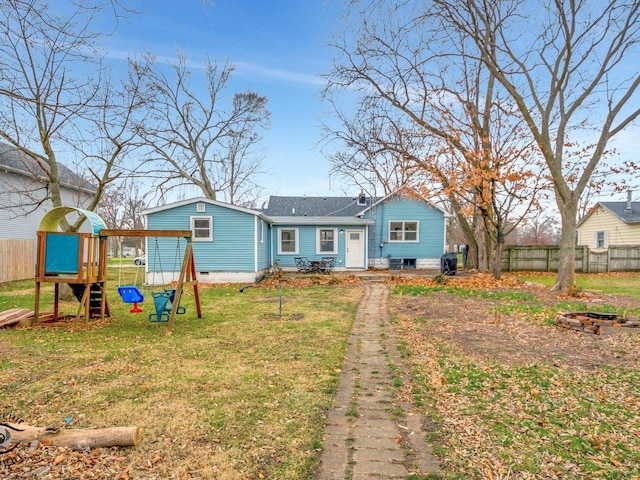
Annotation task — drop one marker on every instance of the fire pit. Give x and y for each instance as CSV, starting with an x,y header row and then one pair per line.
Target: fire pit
x,y
597,323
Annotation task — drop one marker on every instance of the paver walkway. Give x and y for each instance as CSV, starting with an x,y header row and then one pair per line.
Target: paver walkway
x,y
369,434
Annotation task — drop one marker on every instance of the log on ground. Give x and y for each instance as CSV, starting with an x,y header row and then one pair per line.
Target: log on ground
x,y
77,439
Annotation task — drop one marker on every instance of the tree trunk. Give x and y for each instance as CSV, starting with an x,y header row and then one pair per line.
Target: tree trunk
x,y
567,262
481,243
77,439
497,261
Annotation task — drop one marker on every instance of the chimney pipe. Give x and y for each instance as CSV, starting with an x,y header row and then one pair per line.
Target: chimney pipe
x,y
628,209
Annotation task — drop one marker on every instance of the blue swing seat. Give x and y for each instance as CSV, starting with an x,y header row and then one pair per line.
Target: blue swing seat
x,y
163,302
130,294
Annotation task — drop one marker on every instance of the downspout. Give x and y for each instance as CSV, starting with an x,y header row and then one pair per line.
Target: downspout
x,y
256,242
444,244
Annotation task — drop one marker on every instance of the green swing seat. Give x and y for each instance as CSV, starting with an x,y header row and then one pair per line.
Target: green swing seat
x,y
163,302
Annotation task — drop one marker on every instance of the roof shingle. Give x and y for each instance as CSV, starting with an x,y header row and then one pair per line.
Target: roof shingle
x,y
315,206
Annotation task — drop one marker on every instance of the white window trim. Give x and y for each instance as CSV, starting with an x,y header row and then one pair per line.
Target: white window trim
x,y
261,231
403,231
605,239
297,247
193,230
335,242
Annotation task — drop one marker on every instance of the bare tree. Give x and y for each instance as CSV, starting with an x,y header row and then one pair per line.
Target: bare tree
x,y
565,65
121,207
193,140
438,112
51,90
360,160
538,229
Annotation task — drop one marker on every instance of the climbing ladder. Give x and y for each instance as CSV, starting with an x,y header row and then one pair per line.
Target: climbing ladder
x,y
91,296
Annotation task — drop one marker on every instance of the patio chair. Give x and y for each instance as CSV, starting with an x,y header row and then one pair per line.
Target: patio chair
x,y
303,264
328,264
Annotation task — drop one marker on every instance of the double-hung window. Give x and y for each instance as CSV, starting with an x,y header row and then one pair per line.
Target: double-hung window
x,y
600,240
327,241
288,240
403,231
202,229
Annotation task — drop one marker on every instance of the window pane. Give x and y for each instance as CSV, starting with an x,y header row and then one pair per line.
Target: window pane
x,y
288,247
202,228
411,226
411,236
288,241
326,240
395,235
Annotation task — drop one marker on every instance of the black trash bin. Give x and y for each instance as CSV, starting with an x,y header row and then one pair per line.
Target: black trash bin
x,y
449,263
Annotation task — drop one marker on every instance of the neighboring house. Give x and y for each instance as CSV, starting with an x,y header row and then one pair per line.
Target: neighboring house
x,y
611,223
23,191
235,244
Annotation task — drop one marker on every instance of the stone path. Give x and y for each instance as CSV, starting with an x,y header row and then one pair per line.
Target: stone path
x,y
369,434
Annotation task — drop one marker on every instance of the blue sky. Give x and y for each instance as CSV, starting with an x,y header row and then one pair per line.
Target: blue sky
x,y
278,50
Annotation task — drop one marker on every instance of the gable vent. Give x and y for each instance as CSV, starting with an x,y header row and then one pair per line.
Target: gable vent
x,y
200,207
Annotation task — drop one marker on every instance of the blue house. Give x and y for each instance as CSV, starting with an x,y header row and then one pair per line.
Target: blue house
x,y
235,244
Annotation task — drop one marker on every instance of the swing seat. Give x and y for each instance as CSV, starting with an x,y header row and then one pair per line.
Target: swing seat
x,y
130,294
163,302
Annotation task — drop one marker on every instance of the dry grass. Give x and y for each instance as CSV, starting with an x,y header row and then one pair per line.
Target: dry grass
x,y
238,394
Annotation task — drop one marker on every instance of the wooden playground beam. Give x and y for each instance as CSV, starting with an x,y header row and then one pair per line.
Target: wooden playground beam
x,y
144,233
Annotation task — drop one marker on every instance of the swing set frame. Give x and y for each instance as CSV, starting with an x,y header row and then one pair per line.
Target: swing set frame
x,y
187,274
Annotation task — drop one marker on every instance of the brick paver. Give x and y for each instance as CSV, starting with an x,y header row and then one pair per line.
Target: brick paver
x,y
369,435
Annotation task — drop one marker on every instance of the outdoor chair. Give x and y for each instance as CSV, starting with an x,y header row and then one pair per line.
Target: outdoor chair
x,y
328,264
303,264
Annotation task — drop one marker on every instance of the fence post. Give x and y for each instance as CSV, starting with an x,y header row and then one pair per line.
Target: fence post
x,y
548,259
586,264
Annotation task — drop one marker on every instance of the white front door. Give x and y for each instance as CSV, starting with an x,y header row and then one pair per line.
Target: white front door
x,y
355,249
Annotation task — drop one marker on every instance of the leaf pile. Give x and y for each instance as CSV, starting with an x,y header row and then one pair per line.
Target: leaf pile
x,y
476,281
299,281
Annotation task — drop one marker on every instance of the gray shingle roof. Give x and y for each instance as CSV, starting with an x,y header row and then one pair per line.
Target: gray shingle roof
x,y
315,206
14,161
620,209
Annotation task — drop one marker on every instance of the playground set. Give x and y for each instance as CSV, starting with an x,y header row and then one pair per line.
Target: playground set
x,y
80,261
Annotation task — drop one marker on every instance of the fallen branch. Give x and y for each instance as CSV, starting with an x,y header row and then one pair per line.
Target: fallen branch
x,y
74,438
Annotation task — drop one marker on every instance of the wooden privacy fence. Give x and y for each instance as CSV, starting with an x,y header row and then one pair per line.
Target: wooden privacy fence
x,y
545,258
17,259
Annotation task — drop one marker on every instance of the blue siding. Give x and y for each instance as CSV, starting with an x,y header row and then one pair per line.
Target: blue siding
x,y
231,250
263,241
431,227
307,243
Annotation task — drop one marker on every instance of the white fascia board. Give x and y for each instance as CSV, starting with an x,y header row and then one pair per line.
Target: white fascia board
x,y
291,220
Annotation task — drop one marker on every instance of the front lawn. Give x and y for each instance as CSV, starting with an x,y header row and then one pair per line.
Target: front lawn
x,y
240,393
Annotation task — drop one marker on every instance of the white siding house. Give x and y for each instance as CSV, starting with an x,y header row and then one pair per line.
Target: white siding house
x,y
610,223
23,194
